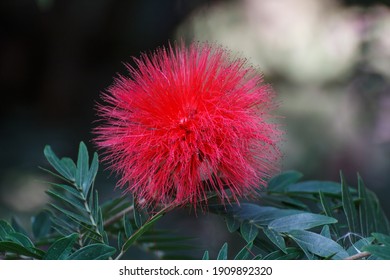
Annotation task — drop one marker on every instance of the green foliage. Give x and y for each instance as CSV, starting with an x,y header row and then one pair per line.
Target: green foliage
x,y
314,243
300,221
276,238
248,231
93,252
223,253
349,206
243,254
310,220
75,204
292,220
206,256
381,248
78,226
16,244
62,248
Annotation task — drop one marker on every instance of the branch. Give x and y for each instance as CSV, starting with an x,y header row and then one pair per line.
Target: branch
x,y
118,216
144,228
358,256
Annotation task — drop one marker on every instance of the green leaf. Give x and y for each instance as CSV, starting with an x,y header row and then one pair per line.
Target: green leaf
x,y
328,212
127,226
100,226
18,228
292,254
300,221
93,235
206,256
41,224
60,166
382,252
318,244
67,189
62,226
382,238
325,205
325,231
366,213
72,215
5,229
282,180
357,247
21,239
223,252
140,216
92,173
275,238
82,168
95,206
232,224
286,200
61,249
16,248
70,166
349,206
91,201
264,244
244,252
248,231
382,223
95,251
256,214
63,197
121,239
314,187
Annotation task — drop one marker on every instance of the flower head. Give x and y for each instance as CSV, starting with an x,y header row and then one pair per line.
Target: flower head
x,y
187,121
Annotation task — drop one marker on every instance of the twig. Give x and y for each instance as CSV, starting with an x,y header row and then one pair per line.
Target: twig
x,y
118,216
358,256
141,229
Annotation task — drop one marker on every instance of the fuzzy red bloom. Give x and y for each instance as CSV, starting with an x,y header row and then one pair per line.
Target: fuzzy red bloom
x,y
189,120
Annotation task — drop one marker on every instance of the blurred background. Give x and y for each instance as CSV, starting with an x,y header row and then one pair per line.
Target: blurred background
x,y
329,62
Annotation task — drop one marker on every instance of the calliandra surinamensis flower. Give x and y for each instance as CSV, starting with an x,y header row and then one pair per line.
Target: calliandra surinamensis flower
x,y
189,120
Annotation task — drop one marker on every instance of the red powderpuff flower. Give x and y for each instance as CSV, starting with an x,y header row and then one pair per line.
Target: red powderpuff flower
x,y
189,121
